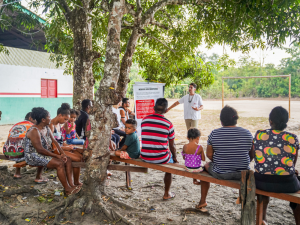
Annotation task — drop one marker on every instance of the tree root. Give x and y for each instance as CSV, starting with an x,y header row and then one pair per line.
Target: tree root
x,y
67,202
14,191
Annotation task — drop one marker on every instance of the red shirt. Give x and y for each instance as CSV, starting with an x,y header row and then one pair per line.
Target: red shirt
x,y
156,133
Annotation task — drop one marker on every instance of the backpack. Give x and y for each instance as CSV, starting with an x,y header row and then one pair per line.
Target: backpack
x,y
13,148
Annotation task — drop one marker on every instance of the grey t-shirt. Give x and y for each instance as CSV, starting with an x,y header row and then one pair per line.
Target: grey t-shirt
x,y
133,145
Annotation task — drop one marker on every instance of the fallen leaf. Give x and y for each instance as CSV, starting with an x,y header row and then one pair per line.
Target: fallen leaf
x,y
184,219
169,219
82,213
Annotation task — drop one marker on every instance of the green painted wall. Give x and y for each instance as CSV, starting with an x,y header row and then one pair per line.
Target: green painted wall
x,y
14,109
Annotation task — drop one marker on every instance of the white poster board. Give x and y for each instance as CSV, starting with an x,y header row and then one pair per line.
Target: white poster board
x,y
145,96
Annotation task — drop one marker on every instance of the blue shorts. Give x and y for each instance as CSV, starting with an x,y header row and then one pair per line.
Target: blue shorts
x,y
171,160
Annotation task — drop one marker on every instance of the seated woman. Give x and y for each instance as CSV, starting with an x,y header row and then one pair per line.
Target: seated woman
x,y
37,149
276,153
228,148
63,115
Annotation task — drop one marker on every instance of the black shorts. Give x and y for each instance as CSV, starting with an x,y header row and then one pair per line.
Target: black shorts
x,y
278,184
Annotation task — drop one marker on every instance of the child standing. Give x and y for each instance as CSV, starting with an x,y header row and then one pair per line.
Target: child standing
x,y
69,130
193,153
131,147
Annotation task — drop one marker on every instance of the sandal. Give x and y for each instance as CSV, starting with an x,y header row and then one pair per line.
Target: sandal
x,y
42,181
171,197
17,177
201,208
76,190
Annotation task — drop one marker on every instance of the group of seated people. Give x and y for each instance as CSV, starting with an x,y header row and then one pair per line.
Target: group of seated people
x,y
229,148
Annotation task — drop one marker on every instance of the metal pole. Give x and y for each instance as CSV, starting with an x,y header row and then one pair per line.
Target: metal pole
x,y
222,93
290,82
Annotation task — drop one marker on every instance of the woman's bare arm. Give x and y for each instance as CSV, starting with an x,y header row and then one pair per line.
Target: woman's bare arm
x,y
57,145
35,138
210,152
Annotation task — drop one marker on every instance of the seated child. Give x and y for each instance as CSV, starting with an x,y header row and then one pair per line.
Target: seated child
x,y
69,130
193,153
131,147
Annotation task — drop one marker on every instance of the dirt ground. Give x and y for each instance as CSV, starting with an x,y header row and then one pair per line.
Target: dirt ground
x,y
147,189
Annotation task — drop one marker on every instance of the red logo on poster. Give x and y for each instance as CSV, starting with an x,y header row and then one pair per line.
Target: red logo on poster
x,y
144,108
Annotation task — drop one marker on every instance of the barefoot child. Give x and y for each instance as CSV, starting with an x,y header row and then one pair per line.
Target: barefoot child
x,y
69,130
193,153
131,147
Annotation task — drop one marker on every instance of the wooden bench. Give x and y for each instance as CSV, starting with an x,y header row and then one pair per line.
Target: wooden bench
x,y
174,168
177,169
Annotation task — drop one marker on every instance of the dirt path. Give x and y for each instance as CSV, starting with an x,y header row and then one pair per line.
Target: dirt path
x,y
147,189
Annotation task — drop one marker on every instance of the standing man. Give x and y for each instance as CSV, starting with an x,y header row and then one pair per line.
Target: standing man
x,y
192,106
158,145
86,105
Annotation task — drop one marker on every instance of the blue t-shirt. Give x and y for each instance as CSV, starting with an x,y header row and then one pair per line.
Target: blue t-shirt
x,y
231,147
133,145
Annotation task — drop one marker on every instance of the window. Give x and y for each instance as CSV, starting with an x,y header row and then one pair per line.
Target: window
x,y
48,88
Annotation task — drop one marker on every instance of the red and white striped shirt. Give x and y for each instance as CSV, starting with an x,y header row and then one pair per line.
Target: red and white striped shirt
x,y
156,133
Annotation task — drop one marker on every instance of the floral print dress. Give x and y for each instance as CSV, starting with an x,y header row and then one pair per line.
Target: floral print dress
x,y
32,157
275,152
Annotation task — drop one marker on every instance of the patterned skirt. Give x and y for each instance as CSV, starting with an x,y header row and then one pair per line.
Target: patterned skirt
x,y
36,159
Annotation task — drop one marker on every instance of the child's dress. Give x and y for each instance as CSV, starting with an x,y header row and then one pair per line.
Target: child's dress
x,y
193,161
71,137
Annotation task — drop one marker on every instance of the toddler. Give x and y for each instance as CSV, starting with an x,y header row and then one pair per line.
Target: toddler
x,y
131,147
69,130
193,153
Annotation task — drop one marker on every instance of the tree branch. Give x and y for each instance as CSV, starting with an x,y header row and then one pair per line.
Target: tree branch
x,y
159,25
149,36
130,9
64,5
149,14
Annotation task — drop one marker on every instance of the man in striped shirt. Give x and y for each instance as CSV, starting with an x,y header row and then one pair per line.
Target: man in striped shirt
x,y
158,145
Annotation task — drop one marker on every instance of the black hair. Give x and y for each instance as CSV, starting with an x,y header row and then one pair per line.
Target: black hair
x,y
279,116
124,101
193,84
39,113
74,111
85,103
229,116
193,133
132,122
161,105
64,109
27,116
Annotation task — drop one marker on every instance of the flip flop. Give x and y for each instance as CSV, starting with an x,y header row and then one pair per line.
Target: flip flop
x,y
201,208
43,181
75,191
17,177
265,222
170,198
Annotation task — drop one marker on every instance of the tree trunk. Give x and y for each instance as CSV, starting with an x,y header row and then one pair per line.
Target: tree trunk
x,y
127,61
83,84
102,118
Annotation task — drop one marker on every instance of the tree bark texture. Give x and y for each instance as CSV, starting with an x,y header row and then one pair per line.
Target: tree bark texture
x,y
83,82
102,118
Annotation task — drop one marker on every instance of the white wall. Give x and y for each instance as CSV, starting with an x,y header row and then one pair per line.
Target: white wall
x,y
23,79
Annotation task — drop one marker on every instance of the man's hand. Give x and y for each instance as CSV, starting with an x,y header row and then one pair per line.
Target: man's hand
x,y
196,109
175,160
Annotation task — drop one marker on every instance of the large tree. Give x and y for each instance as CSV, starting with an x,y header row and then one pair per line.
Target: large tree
x,y
165,35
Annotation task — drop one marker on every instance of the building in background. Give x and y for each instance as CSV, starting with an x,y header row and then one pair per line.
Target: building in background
x,y
29,79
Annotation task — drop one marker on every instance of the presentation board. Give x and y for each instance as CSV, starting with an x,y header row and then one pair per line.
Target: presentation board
x,y
145,96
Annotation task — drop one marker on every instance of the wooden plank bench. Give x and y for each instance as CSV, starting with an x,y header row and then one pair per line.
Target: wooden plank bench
x,y
177,169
